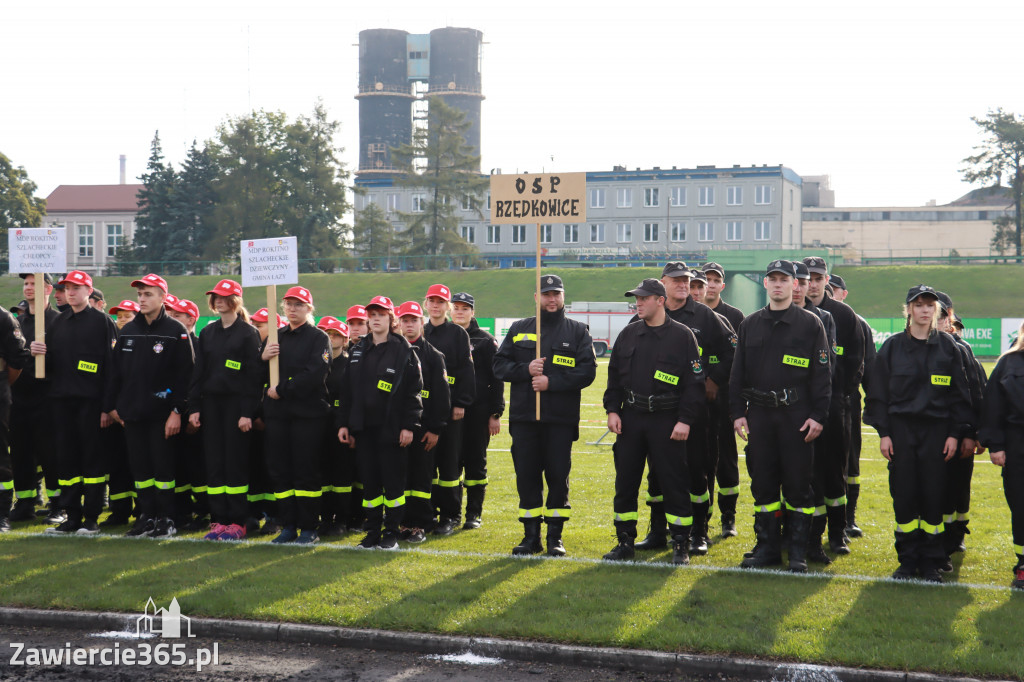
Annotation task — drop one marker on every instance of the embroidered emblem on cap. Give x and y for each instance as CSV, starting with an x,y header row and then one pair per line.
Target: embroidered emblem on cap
x,y
550,280
225,285
778,264
443,290
78,275
303,292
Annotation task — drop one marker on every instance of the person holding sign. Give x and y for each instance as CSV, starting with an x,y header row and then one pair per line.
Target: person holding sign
x,y
80,355
379,411
223,399
919,402
296,413
153,365
542,448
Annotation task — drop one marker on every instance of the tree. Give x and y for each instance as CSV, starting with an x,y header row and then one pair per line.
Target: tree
x,y
19,207
441,163
372,232
155,229
1001,153
193,204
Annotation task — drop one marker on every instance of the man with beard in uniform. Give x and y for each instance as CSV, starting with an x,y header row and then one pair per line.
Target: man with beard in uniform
x,y
716,345
849,350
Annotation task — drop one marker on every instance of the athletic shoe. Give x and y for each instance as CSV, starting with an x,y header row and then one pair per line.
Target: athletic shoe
x,y
195,525
164,528
215,531
946,565
472,523
287,535
143,527
5,524
307,537
88,528
388,541
416,536
371,540
56,516
232,532
68,526
270,527
446,527
1018,579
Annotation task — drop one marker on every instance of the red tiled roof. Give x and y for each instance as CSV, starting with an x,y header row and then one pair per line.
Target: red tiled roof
x,y
93,198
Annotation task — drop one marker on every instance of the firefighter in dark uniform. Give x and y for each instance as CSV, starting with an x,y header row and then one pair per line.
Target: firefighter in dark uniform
x,y
779,392
483,417
379,412
80,358
453,342
152,368
262,503
120,484
721,437
542,449
1002,432
919,402
716,344
14,356
437,406
655,393
835,445
31,426
337,463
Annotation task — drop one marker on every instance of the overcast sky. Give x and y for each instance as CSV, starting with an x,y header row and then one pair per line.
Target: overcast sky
x,y
878,95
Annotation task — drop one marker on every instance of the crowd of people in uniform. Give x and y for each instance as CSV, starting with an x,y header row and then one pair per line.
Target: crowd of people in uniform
x,y
379,421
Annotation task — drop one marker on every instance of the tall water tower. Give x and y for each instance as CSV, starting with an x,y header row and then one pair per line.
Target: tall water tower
x,y
455,59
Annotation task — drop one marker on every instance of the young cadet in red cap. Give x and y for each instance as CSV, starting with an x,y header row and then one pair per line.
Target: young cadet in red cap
x,y
483,417
262,502
436,410
296,412
357,328
120,485
453,342
125,312
338,462
356,318
379,411
80,357
153,365
223,399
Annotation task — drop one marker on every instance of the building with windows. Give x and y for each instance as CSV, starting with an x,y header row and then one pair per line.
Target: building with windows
x,y
99,219
659,213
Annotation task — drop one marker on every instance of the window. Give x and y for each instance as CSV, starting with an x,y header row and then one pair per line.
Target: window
x,y
597,233
678,197
519,234
763,195
467,203
790,200
707,196
115,238
650,232
545,234
394,202
763,230
572,234
706,232
677,233
625,232
733,231
734,196
468,232
519,262
624,197
494,234
651,196
419,203
85,240
597,198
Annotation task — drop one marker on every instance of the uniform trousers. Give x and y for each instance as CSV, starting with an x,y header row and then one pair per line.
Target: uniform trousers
x,y
153,464
81,471
338,469
700,470
542,452
956,501
382,470
476,436
226,451
1013,486
120,484
447,491
32,449
831,457
723,458
917,481
778,457
261,493
293,446
6,470
854,416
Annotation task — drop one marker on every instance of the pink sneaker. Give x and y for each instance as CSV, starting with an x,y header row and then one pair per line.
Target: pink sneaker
x,y
215,530
233,532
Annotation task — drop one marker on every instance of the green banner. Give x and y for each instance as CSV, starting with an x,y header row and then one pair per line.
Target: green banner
x,y
982,333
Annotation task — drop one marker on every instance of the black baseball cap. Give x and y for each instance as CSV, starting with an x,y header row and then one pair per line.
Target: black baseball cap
x,y
783,266
676,269
816,265
944,300
699,275
713,267
96,295
463,297
801,270
837,282
551,283
46,276
59,286
919,291
648,287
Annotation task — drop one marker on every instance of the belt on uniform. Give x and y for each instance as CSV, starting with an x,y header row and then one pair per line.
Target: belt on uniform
x,y
652,403
783,397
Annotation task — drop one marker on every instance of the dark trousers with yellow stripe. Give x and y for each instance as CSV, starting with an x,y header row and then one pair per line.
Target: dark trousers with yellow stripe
x,y
152,458
226,451
779,459
723,458
32,449
476,436
382,469
1013,486
80,466
338,468
6,470
447,492
542,453
293,447
120,484
190,497
917,480
645,439
700,475
420,468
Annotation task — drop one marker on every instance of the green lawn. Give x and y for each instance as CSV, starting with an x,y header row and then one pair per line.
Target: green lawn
x,y
468,584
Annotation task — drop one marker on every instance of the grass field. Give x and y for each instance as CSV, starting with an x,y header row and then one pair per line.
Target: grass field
x,y
468,584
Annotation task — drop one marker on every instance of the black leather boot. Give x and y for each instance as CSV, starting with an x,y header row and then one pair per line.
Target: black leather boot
x,y
530,543
768,551
727,507
800,532
814,552
837,529
680,546
852,495
658,530
623,551
699,529
554,537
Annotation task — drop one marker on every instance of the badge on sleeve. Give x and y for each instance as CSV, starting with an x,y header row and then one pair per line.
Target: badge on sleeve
x,y
696,366
823,357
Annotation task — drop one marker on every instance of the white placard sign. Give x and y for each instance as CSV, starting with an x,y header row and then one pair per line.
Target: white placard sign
x,y
37,249
270,261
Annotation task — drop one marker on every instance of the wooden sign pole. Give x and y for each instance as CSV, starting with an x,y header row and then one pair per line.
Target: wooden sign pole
x,y
40,303
275,367
538,312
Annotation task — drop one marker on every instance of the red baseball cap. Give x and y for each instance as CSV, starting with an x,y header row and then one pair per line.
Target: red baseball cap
x,y
357,312
171,301
327,322
127,305
300,294
381,302
409,308
261,315
226,287
151,280
188,307
441,291
77,277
